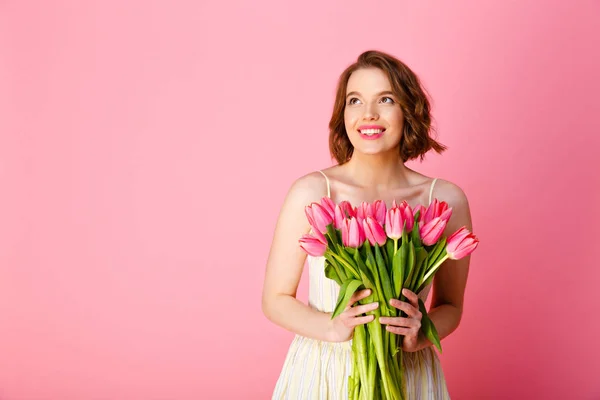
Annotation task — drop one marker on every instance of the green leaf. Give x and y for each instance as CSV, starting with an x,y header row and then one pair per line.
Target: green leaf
x,y
389,249
378,280
386,283
404,234
341,271
349,269
346,291
420,266
368,283
361,264
410,267
343,252
369,259
399,269
415,235
386,260
436,252
428,327
331,236
331,274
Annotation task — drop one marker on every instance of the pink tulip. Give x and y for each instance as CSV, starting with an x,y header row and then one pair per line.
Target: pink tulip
x,y
364,210
436,209
407,215
374,232
329,205
353,234
312,245
379,210
422,210
318,235
338,217
394,223
318,217
432,231
347,208
461,243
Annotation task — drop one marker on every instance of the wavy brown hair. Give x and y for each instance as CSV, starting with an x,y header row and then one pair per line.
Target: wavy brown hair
x,y
406,86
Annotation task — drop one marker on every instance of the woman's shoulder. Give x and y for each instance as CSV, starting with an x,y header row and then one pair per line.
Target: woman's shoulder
x,y
309,187
456,198
448,191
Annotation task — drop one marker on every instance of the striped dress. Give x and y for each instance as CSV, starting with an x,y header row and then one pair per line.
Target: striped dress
x,y
319,370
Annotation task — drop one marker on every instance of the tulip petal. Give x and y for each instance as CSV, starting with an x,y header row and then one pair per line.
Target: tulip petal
x,y
329,205
431,231
312,245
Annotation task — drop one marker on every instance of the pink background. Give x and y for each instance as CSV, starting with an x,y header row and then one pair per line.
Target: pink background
x,y
139,195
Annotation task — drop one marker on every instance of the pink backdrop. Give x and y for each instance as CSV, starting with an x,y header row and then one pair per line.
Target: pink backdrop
x,y
134,136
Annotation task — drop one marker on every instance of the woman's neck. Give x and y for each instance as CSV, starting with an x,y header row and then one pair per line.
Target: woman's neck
x,y
380,171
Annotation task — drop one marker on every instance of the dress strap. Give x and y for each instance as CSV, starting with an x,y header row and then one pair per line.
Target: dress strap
x,y
326,180
431,190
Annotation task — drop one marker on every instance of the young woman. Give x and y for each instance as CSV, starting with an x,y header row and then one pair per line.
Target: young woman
x,y
381,119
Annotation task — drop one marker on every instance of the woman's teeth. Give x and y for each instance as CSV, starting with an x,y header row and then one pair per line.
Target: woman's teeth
x,y
370,132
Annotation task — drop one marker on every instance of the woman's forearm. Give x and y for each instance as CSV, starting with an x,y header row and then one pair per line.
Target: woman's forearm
x,y
446,318
297,317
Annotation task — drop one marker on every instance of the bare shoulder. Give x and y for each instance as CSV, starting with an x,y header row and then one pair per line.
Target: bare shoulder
x,y
307,188
456,198
450,192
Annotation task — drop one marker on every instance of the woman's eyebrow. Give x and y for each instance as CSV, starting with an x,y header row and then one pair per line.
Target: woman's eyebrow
x,y
378,94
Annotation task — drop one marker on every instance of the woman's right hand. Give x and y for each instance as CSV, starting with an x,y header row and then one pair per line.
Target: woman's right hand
x,y
342,326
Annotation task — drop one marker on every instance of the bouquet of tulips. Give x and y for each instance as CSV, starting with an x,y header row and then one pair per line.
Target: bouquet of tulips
x,y
384,250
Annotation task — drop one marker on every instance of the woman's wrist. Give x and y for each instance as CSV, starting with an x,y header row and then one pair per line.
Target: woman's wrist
x,y
330,335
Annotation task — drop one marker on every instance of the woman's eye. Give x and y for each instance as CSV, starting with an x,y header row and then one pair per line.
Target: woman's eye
x,y
352,100
389,98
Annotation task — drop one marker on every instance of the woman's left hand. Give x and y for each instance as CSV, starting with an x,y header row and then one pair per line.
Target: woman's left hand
x,y
408,326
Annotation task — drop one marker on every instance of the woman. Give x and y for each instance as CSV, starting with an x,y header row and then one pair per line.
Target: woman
x,y
381,119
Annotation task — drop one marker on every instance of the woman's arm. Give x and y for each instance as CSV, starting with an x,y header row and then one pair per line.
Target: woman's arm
x,y
285,264
451,279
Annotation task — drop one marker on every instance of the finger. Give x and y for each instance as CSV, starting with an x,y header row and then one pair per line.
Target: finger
x,y
357,296
399,331
400,322
357,310
361,320
412,297
406,307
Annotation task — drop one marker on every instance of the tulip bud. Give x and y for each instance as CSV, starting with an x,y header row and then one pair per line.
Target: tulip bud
x,y
432,231
461,243
374,232
312,245
318,217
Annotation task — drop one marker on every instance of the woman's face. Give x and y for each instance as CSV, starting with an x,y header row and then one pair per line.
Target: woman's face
x,y
373,118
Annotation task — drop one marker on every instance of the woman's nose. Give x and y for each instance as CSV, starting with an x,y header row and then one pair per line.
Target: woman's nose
x,y
370,112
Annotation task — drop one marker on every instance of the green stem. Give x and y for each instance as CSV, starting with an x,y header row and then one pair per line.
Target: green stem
x,y
400,374
361,354
338,270
432,271
390,388
346,264
371,372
